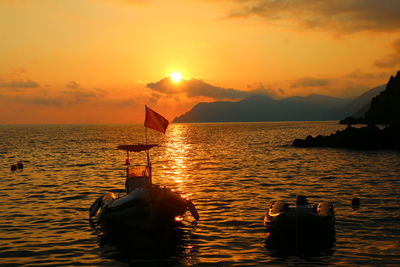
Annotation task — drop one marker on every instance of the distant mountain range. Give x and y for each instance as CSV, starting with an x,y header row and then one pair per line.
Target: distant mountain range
x,y
263,108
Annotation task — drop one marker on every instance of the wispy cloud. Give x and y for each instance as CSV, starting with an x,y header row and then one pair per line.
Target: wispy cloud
x,y
73,85
390,60
310,82
339,16
357,74
27,83
72,94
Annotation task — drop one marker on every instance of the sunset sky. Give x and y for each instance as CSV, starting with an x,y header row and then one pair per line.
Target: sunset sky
x,y
100,61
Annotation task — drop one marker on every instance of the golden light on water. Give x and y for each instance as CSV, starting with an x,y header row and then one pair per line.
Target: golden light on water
x,y
177,153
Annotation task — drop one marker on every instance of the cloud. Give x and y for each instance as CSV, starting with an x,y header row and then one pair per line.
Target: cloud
x,y
259,89
27,83
73,85
199,88
310,82
196,87
339,16
390,60
80,94
45,101
74,94
357,74
153,99
77,94
165,86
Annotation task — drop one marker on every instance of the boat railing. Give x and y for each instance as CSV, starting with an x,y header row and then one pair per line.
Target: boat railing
x,y
137,176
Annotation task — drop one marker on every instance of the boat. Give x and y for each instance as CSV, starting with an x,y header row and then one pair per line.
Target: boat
x,y
302,223
142,204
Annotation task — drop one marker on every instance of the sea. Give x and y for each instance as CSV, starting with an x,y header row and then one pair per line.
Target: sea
x,y
231,172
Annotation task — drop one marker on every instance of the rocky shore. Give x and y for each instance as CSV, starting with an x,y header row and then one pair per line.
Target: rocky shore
x,y
384,109
369,137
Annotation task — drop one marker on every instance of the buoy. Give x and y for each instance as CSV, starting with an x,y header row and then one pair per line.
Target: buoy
x,y
13,168
355,202
20,165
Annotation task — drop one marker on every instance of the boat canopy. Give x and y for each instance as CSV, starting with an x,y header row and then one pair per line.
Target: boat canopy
x,y
136,148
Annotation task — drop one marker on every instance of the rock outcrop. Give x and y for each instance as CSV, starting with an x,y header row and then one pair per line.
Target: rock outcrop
x,y
370,137
384,109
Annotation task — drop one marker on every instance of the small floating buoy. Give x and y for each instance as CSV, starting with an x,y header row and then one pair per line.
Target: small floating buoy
x,y
13,168
20,165
355,202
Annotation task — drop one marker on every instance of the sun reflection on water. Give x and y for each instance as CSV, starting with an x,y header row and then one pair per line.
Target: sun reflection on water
x,y
175,157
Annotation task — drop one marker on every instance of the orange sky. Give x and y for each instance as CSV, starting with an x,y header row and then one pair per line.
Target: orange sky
x,y
100,61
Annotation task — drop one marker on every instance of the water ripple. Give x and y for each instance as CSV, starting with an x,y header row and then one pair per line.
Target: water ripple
x,y
231,171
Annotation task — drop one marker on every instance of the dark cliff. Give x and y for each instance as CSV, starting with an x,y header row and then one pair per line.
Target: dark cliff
x,y
385,107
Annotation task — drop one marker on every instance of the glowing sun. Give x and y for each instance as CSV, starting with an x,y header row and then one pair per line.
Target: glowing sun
x,y
176,77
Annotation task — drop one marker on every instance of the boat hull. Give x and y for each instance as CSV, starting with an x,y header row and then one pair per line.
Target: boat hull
x,y
305,226
143,208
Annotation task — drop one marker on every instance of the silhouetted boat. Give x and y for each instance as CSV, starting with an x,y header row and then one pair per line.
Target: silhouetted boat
x,y
301,224
142,205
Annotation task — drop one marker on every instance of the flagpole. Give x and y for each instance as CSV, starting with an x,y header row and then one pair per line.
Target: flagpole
x,y
147,151
145,127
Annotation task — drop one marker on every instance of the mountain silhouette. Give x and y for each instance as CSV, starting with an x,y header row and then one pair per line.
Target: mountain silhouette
x,y
255,108
385,107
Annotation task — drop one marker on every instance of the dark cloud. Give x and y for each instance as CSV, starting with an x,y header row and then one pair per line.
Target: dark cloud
x,y
73,85
39,98
391,60
165,86
77,94
260,89
357,74
198,88
310,82
19,84
154,97
46,101
281,91
339,16
62,98
84,94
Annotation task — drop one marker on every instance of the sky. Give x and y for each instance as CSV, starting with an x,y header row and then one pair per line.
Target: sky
x,y
101,61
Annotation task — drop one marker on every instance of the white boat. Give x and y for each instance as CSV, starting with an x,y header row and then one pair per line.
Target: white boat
x,y
142,205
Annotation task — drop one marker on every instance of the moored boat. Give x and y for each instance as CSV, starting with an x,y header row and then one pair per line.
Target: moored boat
x,y
142,204
301,222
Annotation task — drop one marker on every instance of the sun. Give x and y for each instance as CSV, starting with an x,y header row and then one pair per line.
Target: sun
x,y
176,77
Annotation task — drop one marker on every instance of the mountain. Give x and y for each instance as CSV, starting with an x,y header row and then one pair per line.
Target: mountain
x,y
262,108
315,99
361,104
385,107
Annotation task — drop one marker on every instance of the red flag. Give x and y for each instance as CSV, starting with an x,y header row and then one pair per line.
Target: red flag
x,y
155,121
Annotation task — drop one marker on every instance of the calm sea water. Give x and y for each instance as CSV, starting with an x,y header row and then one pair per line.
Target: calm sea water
x,y
230,171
